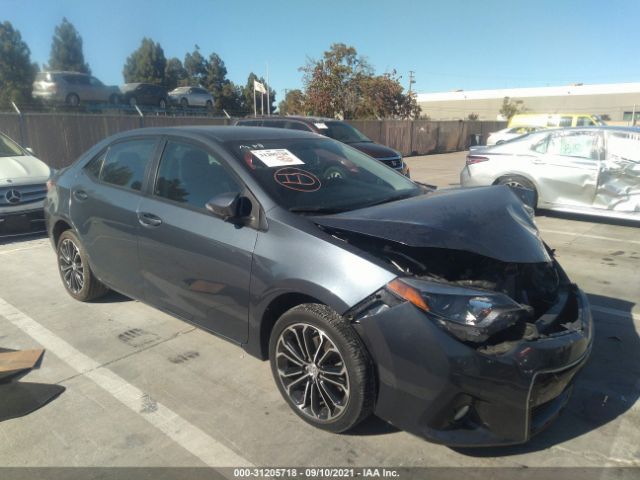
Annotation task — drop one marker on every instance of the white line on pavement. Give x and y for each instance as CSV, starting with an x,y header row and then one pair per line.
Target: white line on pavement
x,y
191,438
595,237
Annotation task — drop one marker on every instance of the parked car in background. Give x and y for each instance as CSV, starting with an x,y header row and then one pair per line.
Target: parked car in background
x,y
22,189
73,88
555,120
594,170
145,94
506,134
336,129
191,97
441,312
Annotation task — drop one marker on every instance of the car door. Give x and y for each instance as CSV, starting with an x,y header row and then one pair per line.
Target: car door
x,y
195,265
619,179
104,202
567,167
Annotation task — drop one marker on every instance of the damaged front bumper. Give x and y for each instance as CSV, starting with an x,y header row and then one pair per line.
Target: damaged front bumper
x,y
435,386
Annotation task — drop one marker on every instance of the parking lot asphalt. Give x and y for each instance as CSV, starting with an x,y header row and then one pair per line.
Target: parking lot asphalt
x,y
146,389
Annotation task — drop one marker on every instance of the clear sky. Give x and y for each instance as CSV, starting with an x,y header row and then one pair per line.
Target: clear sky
x,y
450,44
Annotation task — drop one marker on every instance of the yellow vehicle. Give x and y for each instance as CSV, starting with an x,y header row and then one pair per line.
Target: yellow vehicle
x,y
554,120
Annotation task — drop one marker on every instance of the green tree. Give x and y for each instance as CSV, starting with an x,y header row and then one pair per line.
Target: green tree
x,y
226,95
174,73
333,83
146,64
196,67
293,103
382,97
247,93
511,107
66,49
16,70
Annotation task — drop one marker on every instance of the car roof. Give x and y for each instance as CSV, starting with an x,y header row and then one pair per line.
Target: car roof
x,y
300,118
221,133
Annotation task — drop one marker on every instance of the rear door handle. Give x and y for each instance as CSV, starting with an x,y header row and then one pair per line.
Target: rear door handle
x,y
80,195
149,219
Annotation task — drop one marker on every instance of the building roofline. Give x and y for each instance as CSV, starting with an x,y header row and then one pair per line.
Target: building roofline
x,y
597,89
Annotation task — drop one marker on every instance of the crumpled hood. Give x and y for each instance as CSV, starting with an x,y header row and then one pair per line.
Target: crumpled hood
x,y
22,169
489,221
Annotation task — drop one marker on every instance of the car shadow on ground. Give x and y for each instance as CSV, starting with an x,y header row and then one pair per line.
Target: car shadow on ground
x,y
372,426
112,297
20,238
606,388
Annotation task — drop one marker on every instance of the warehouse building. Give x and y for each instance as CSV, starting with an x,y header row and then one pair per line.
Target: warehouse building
x,y
618,102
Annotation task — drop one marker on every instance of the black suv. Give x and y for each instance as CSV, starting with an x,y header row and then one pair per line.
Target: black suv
x,y
338,130
145,94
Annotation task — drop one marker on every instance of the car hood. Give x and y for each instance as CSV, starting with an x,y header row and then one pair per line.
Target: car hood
x,y
22,169
488,221
374,149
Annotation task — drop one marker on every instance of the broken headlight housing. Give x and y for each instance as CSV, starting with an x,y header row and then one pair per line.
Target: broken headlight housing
x,y
469,314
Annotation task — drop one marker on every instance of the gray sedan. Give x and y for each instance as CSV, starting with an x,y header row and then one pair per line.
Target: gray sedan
x,y
594,171
191,97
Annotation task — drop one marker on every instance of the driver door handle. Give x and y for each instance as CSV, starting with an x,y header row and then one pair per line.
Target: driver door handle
x,y
149,219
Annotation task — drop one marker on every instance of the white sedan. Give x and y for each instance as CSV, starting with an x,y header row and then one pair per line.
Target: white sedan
x,y
506,134
23,188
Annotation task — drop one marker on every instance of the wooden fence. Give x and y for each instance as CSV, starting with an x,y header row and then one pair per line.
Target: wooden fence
x,y
60,138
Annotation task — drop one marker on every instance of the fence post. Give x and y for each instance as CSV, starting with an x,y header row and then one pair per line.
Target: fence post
x,y
141,116
20,125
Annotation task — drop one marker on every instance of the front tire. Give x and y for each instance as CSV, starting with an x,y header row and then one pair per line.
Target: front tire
x,y
322,368
74,269
517,181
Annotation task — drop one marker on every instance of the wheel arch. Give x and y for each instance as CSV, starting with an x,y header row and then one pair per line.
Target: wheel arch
x,y
267,313
58,229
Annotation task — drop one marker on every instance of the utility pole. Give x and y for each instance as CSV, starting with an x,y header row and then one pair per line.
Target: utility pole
x,y
412,80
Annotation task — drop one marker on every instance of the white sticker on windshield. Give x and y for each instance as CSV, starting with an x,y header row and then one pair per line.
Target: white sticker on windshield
x,y
321,125
277,157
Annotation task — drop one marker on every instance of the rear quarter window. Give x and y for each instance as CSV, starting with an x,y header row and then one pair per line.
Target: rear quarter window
x,y
125,163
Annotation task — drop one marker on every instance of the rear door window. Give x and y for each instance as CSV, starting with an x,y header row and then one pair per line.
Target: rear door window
x,y
623,146
191,175
297,126
574,144
125,163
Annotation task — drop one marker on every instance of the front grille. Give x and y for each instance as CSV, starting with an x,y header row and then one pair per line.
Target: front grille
x,y
22,194
393,162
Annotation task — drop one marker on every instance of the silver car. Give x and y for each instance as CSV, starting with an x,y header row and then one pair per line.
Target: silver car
x,y
191,97
23,188
594,170
73,88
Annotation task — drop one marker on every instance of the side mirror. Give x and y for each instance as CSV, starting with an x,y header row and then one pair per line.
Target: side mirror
x,y
229,206
30,150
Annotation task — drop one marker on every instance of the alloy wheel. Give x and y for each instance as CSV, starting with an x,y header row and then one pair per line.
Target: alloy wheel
x,y
71,265
312,371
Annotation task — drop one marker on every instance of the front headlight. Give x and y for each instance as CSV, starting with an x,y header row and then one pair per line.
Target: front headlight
x,y
469,314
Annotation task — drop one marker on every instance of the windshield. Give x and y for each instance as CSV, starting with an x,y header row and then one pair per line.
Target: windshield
x,y
343,132
9,148
320,175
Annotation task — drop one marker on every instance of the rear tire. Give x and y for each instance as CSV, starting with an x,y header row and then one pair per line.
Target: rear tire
x,y
322,368
74,269
518,181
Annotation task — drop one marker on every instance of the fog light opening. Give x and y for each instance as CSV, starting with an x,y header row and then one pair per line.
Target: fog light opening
x,y
460,413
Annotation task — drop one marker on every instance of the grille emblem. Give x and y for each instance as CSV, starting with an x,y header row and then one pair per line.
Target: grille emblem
x,y
13,196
